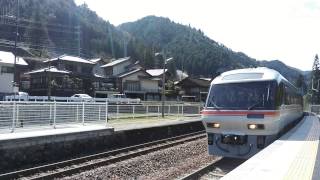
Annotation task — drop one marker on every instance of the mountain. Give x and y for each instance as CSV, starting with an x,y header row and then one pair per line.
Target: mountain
x,y
193,51
292,74
55,27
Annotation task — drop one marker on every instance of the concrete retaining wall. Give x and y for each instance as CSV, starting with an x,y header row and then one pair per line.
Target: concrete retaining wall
x,y
28,152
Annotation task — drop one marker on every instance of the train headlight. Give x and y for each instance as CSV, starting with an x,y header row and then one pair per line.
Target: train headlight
x,y
255,126
252,126
213,125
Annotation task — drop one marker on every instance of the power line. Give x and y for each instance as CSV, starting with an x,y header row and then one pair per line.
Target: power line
x,y
31,44
35,22
48,28
39,48
38,28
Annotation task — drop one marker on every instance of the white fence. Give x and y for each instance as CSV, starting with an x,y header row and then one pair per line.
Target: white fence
x,y
72,99
21,114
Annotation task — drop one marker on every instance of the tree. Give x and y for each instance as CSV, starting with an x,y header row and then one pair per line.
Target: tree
x,y
315,79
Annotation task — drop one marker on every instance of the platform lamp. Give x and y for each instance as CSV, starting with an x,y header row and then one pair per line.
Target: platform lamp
x,y
165,61
315,90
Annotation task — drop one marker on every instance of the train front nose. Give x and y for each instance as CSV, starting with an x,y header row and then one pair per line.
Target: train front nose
x,y
242,123
239,135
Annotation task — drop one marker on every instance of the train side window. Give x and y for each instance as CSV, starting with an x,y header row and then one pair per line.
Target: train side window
x,y
280,95
287,100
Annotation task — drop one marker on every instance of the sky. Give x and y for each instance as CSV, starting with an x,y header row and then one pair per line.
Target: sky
x,y
287,30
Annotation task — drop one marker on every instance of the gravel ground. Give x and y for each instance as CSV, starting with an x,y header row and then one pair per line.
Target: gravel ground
x,y
170,163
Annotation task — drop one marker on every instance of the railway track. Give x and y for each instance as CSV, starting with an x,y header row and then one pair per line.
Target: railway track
x,y
214,170
73,166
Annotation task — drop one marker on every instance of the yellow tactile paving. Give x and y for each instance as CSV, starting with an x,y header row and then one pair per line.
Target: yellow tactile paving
x,y
303,165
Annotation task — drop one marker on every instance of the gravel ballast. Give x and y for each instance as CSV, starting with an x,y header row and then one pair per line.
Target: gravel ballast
x,y
169,163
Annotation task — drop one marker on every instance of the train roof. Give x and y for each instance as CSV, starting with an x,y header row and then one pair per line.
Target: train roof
x,y
249,75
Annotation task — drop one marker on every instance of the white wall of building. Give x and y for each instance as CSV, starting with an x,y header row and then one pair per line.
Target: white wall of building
x,y
145,84
120,68
148,84
6,80
133,77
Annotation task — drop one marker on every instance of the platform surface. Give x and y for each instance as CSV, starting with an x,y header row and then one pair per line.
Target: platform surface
x,y
295,156
152,123
36,131
46,131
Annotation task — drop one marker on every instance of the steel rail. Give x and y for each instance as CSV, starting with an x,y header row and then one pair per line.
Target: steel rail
x,y
73,166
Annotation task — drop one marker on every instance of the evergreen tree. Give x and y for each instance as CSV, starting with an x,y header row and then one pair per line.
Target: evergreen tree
x,y
315,81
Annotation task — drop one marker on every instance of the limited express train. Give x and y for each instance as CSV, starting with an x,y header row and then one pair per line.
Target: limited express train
x,y
247,109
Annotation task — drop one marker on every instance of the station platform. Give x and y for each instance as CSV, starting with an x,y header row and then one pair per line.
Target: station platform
x,y
30,146
155,122
67,128
30,132
295,156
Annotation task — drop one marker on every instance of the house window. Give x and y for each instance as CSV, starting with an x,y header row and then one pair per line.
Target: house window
x,y
6,69
69,67
86,70
132,86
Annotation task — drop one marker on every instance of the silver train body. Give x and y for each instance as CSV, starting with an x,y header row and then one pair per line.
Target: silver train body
x,y
247,109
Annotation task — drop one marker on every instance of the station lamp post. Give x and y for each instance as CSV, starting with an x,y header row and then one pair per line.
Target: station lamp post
x,y
165,61
315,90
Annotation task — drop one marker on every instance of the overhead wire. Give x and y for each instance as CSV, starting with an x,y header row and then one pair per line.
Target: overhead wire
x,y
41,23
42,46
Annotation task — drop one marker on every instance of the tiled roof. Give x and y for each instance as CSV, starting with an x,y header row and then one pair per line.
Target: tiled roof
x,y
194,82
95,60
155,72
47,69
71,58
8,58
115,62
128,73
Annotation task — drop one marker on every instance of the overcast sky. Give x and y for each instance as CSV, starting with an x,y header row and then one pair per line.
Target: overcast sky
x,y
288,30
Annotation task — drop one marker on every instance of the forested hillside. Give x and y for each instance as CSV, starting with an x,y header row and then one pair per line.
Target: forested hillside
x,y
193,51
52,27
196,53
55,27
292,74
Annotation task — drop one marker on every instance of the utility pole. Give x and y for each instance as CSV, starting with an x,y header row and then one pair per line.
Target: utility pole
x,y
163,84
163,57
49,80
79,40
15,78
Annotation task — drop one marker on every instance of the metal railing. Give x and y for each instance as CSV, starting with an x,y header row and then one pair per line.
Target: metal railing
x,y
315,109
19,114
71,99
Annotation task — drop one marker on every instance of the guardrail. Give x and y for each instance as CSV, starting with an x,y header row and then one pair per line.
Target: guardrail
x,y
25,113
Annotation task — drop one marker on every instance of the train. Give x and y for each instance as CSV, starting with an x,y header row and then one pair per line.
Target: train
x,y
248,109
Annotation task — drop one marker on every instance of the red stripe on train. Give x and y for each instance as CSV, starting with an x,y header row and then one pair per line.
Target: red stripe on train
x,y
239,113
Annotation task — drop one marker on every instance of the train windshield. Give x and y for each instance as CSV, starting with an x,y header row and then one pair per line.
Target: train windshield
x,y
243,96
